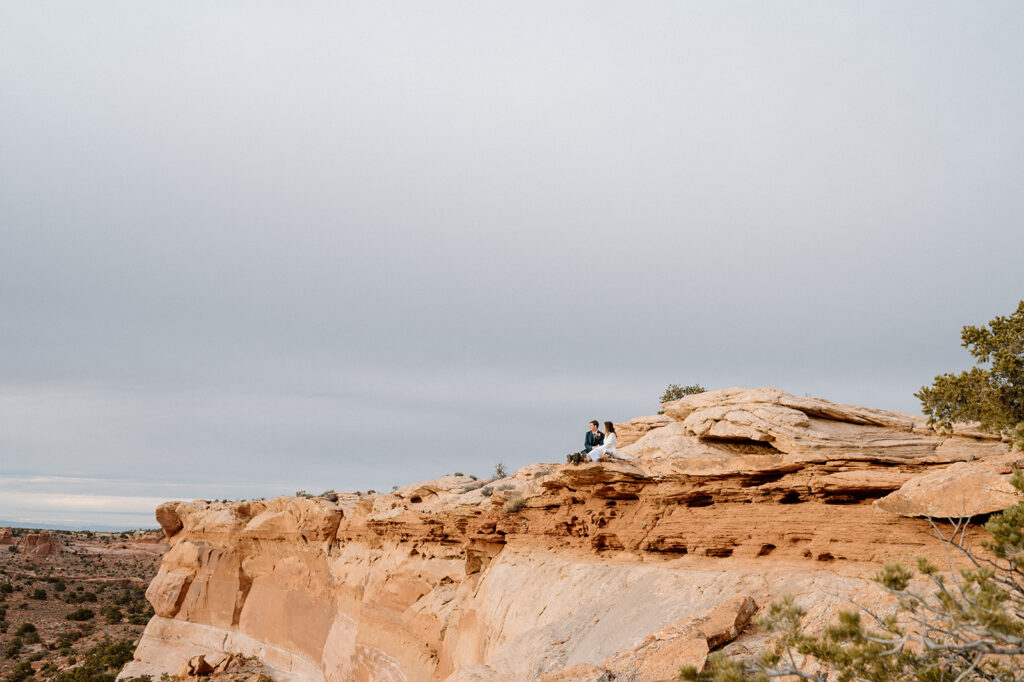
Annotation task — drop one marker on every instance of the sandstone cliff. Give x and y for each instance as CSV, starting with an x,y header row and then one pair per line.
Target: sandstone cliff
x,y
619,571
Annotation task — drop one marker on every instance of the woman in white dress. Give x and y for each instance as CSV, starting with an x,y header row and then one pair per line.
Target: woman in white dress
x,y
607,449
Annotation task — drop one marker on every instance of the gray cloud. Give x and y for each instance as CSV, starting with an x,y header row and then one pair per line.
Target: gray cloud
x,y
347,246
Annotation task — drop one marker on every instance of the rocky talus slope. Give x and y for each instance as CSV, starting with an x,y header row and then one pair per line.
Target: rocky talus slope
x,y
612,571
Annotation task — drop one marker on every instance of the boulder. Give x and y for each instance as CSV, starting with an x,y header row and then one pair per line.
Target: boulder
x,y
960,490
194,667
674,439
167,517
818,430
631,431
686,642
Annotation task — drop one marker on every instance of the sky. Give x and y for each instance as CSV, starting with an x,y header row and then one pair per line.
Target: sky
x,y
248,248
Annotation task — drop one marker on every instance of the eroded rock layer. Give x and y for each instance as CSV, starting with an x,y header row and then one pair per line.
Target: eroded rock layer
x,y
611,571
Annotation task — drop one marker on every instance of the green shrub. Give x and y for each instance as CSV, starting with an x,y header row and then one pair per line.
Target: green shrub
x,y
675,392
112,614
22,671
81,614
24,629
13,648
66,639
101,663
39,593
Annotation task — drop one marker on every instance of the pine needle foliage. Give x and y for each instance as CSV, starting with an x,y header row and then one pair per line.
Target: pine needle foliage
x,y
991,393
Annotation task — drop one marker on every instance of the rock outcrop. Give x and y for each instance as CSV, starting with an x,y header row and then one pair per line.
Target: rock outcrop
x,y
613,571
40,544
7,536
961,490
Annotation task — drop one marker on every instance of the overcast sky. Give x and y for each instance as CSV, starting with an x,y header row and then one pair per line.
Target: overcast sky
x,y
248,247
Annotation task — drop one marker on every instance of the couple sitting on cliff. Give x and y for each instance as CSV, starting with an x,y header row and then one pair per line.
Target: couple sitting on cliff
x,y
597,446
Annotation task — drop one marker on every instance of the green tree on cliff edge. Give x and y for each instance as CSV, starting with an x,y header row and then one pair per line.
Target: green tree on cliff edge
x,y
991,393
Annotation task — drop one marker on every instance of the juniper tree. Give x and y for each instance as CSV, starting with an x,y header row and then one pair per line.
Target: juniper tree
x,y
991,393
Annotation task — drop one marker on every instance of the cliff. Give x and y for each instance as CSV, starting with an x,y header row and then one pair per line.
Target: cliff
x,y
612,571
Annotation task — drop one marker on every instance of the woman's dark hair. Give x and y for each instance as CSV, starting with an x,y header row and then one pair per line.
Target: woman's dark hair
x,y
609,427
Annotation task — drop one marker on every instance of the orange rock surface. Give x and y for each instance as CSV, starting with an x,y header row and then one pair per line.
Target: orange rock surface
x,y
613,571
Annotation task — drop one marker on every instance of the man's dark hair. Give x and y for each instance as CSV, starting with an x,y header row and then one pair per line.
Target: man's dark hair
x,y
595,423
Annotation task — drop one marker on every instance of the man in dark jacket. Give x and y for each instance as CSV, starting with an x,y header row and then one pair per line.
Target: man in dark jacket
x,y
593,439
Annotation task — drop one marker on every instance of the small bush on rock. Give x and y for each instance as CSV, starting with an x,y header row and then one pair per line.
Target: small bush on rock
x,y
475,485
513,504
675,392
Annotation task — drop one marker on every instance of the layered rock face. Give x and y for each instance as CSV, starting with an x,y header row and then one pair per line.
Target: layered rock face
x,y
612,571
